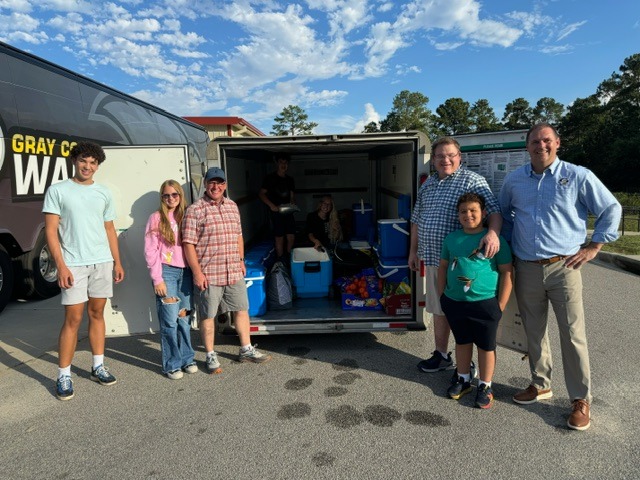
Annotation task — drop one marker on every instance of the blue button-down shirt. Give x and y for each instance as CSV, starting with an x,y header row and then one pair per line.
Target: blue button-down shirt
x,y
546,214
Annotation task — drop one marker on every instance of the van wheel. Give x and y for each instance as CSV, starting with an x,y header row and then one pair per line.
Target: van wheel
x,y
39,272
6,278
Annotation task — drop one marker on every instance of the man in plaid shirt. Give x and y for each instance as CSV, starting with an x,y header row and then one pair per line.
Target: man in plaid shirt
x,y
433,218
214,248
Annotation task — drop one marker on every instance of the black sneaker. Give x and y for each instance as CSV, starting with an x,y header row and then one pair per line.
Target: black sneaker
x,y
484,396
435,363
64,388
102,376
459,388
473,374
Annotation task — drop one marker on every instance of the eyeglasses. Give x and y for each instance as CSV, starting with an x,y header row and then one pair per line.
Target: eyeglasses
x,y
450,156
167,196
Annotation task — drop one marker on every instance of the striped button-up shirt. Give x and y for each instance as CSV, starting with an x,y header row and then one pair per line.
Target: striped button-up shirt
x,y
546,215
435,211
215,230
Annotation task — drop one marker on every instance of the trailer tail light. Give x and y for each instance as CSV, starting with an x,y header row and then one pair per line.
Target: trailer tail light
x,y
397,325
423,178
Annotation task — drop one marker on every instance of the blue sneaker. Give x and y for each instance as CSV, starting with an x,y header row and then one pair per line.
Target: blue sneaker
x,y
102,376
436,363
484,396
64,388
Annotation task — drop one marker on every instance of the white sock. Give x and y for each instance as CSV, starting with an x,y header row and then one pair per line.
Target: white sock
x,y
98,360
482,382
444,355
245,348
465,376
210,354
62,371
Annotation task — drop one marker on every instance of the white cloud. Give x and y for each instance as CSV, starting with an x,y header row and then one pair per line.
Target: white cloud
x,y
569,29
370,115
383,42
402,70
23,6
385,7
557,49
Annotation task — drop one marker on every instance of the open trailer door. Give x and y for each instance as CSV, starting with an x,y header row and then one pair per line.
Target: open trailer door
x,y
134,176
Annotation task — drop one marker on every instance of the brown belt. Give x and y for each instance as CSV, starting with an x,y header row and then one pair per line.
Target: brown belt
x,y
548,261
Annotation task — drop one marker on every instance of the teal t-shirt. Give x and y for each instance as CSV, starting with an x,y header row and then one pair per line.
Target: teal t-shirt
x,y
83,209
471,278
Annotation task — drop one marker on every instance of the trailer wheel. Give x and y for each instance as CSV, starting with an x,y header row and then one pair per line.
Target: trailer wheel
x,y
6,278
39,272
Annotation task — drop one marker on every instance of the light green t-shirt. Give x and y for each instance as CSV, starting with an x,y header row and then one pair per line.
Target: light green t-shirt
x,y
83,209
471,278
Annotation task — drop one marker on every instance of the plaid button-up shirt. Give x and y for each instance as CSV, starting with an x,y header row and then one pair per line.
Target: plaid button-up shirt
x,y
435,210
215,231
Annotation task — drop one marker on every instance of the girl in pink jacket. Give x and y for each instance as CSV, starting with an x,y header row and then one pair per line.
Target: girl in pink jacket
x,y
172,280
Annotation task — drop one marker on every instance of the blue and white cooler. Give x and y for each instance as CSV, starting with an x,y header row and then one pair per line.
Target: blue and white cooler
x,y
362,220
393,238
392,269
311,272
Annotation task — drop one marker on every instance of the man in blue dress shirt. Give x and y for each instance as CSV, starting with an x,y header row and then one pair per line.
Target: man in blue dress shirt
x,y
545,206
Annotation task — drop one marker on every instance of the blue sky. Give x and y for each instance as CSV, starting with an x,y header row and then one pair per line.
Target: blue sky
x,y
343,61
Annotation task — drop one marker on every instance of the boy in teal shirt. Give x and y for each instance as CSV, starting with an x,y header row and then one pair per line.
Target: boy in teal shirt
x,y
474,291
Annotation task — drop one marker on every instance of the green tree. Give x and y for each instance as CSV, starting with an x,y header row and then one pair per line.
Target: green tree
x,y
409,112
602,131
371,127
547,110
453,117
483,118
292,121
517,114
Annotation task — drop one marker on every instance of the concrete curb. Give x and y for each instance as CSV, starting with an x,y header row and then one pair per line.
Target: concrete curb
x,y
629,264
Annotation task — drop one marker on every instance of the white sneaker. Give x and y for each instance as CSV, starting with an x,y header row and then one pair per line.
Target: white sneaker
x,y
191,368
175,374
213,365
253,355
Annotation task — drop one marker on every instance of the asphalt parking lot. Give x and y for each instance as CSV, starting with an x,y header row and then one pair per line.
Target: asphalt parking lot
x,y
326,406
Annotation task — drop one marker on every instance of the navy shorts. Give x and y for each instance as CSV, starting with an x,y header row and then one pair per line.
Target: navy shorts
x,y
473,322
283,224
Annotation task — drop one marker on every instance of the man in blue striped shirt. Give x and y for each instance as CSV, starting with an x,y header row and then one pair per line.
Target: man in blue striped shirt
x,y
435,216
545,206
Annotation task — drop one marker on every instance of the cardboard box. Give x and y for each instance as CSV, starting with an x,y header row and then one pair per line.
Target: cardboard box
x,y
353,302
398,304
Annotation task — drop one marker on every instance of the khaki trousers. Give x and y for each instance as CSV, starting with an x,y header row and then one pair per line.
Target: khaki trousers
x,y
536,286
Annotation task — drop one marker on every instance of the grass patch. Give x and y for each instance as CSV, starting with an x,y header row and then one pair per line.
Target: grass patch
x,y
625,245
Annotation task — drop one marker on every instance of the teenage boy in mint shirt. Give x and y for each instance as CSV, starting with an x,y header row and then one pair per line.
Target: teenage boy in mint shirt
x,y
82,239
474,291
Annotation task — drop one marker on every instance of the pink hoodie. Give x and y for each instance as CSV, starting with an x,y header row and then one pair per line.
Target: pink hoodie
x,y
157,251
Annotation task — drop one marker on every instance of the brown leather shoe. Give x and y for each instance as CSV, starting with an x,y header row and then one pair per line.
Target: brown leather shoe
x,y
580,418
531,395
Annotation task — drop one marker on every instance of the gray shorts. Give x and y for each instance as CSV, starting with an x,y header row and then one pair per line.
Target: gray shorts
x,y
221,299
95,281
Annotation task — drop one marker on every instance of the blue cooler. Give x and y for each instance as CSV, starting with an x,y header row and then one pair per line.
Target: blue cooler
x,y
404,206
362,220
256,290
392,269
393,238
311,272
